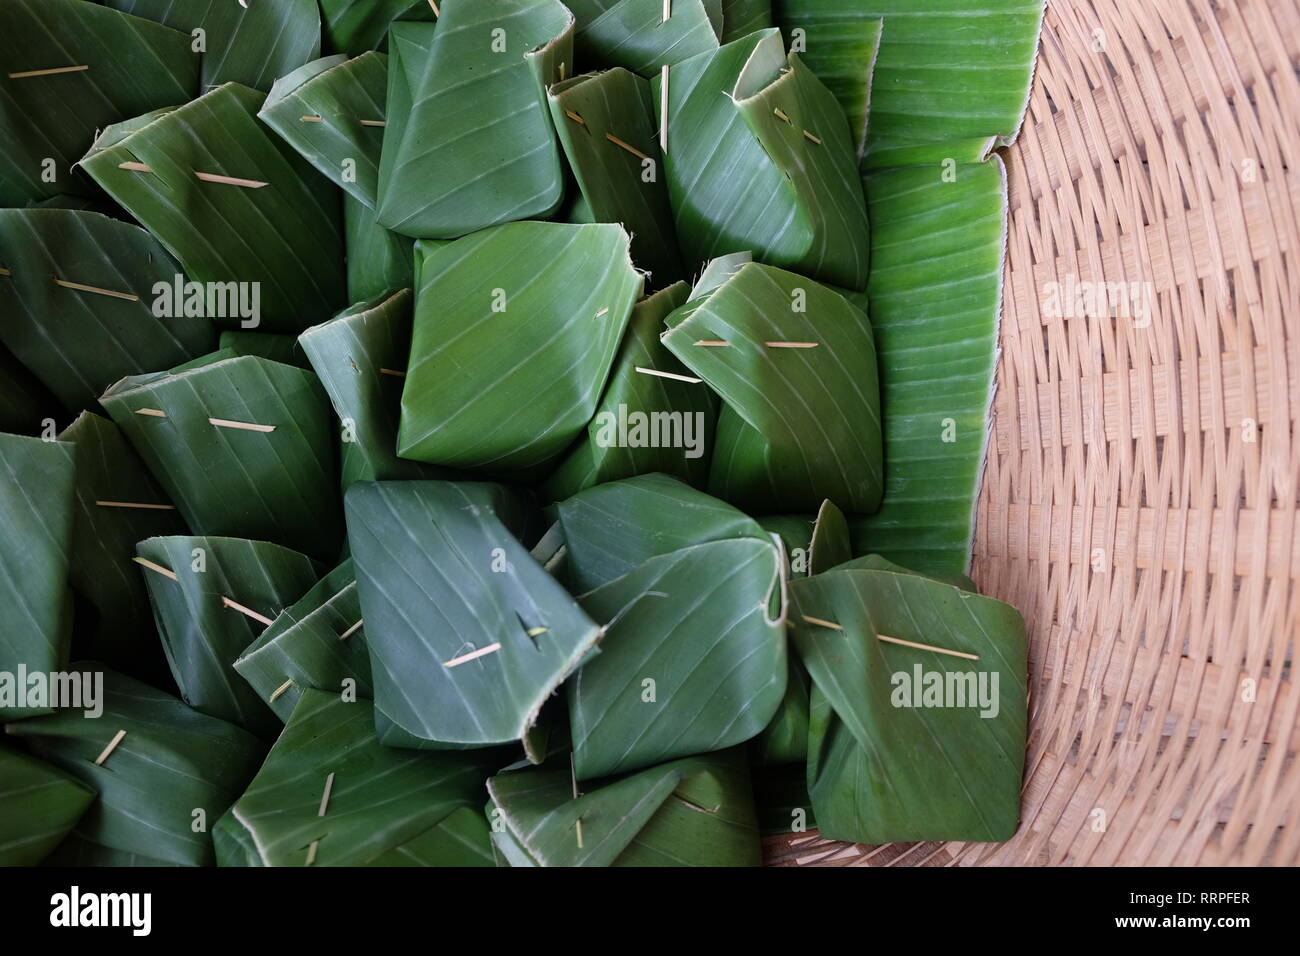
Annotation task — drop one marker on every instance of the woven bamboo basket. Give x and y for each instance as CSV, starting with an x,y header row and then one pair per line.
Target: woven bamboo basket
x,y
1139,498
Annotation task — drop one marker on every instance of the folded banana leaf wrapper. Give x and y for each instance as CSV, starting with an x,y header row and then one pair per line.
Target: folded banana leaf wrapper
x,y
500,432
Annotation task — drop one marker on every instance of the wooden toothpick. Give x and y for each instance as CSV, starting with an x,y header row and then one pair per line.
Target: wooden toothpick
x,y
815,139
473,655
311,852
246,611
309,119
627,146
663,109
325,797
146,563
373,122
242,426
672,375
230,180
50,72
281,690
822,622
781,114
130,297
575,117
151,412
5,272
135,504
399,373
434,4
926,647
112,745
604,311
791,345
135,167
352,630
714,343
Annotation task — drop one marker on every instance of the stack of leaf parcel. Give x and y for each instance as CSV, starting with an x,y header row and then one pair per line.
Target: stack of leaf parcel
x,y
500,432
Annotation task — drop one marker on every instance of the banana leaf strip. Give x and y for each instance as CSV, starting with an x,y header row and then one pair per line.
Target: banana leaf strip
x,y
468,635
162,787
644,423
39,806
689,662
360,357
800,421
379,261
118,503
330,795
698,811
470,142
742,17
37,513
840,45
80,304
318,642
908,743
935,298
634,34
332,112
250,42
243,446
612,529
111,66
769,167
515,331
613,151
278,348
951,81
276,231
205,613
355,26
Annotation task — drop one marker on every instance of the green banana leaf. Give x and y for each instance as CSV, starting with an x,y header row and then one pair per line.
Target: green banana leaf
x,y
317,642
166,782
360,357
115,622
442,577
39,805
283,238
246,41
935,298
330,795
355,26
885,763
644,423
768,167
278,348
795,532
612,529
689,660
470,143
26,406
274,485
633,34
379,261
621,181
951,81
840,45
781,799
79,341
37,506
202,633
742,17
798,424
516,328
693,812
332,112
874,562
78,852
131,66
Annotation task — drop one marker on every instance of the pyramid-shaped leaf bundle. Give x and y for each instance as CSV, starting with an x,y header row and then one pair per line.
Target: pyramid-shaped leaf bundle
x,y
794,364
634,33
234,203
244,446
37,508
330,795
469,142
212,598
165,782
355,27
516,328
693,812
468,634
39,805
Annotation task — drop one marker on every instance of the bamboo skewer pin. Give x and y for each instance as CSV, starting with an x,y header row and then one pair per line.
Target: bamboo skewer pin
x,y
135,167
822,622
165,572
281,690
781,114
815,139
791,345
604,311
112,745
434,4
242,426
472,655
129,296
392,371
230,180
324,804
672,375
148,506
575,117
663,109
246,611
352,630
5,272
151,412
668,10
26,74
627,146
573,779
